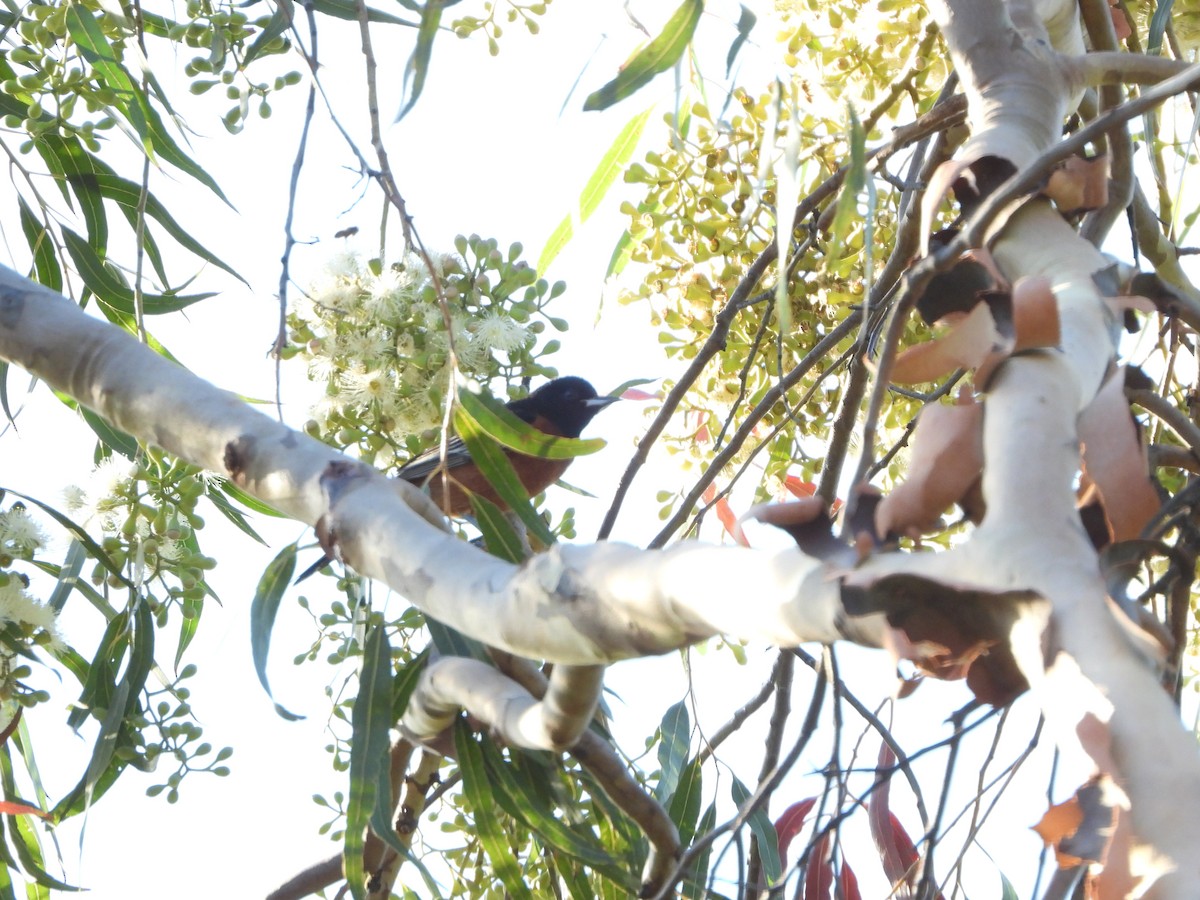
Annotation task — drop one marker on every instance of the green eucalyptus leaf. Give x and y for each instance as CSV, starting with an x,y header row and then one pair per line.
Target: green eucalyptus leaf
x,y
370,721
684,805
348,10
95,551
275,580
658,56
128,195
114,294
676,732
480,796
227,509
611,165
67,577
516,792
279,23
41,244
745,25
498,422
494,466
498,534
248,500
418,63
764,831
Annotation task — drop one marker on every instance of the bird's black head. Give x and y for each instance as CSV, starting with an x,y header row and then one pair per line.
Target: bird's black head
x,y
568,403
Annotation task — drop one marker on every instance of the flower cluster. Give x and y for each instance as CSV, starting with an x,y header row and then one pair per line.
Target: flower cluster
x,y
383,347
24,622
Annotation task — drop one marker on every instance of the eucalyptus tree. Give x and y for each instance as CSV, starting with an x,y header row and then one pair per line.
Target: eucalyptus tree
x,y
927,263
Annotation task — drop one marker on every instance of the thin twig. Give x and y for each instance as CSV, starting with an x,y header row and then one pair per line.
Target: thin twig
x,y
784,669
289,239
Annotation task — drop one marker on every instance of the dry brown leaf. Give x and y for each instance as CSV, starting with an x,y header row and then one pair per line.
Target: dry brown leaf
x,y
1115,460
946,462
1079,184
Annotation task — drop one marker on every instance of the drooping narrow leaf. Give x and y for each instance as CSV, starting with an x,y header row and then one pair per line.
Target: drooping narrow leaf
x,y
696,882
369,771
132,101
128,194
89,37
188,626
73,167
271,586
68,575
111,291
25,835
405,682
1158,26
4,369
348,10
277,25
499,423
745,25
517,796
106,740
762,829
454,643
479,794
684,808
247,500
497,530
112,438
612,164
45,264
234,515
495,467
656,57
381,823
418,63
855,180
676,730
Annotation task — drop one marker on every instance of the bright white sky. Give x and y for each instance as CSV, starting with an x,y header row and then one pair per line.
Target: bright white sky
x,y
485,150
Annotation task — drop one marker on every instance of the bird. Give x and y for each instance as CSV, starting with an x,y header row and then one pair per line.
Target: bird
x,y
562,407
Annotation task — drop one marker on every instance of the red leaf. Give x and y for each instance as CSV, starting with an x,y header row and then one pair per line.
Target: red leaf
x,y
635,394
818,881
897,851
726,515
799,488
802,489
12,808
849,884
789,823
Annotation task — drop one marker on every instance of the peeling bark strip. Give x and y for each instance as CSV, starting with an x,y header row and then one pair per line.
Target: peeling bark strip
x,y
1019,90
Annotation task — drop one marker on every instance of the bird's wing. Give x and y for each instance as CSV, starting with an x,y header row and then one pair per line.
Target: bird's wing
x,y
420,467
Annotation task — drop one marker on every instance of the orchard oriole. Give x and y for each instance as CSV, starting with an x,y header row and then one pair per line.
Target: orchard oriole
x,y
562,407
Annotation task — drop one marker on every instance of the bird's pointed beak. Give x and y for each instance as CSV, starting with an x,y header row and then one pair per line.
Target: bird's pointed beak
x,y
598,403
